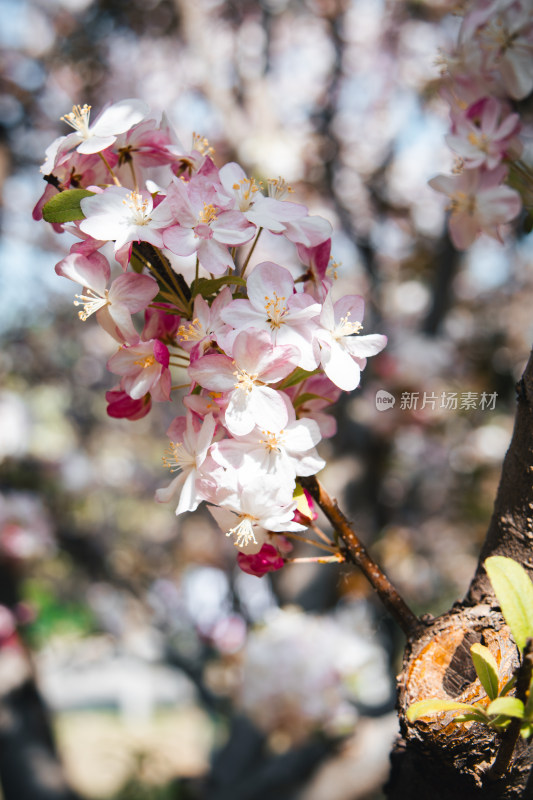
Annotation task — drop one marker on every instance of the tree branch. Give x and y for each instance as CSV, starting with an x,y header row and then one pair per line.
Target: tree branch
x,y
357,554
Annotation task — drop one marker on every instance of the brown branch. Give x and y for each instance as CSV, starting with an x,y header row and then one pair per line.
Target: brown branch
x,y
510,737
357,554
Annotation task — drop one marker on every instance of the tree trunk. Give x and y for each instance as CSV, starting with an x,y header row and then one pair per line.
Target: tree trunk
x,y
436,758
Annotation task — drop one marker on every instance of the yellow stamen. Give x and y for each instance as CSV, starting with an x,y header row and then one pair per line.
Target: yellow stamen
x,y
276,308
245,381
176,457
201,144
462,202
346,328
208,214
140,208
243,532
91,303
193,331
147,361
273,440
78,119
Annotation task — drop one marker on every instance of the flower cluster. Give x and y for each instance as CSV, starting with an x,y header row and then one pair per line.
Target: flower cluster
x,y
491,67
257,351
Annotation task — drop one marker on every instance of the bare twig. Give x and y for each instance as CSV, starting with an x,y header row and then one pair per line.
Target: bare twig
x,y
357,553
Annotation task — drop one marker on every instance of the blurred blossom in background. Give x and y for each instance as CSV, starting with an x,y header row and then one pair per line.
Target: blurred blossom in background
x,y
165,671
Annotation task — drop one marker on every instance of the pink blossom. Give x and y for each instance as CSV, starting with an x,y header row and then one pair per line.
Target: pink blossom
x,y
187,162
285,453
207,326
316,259
203,226
206,403
122,406
146,144
485,134
502,32
112,121
124,216
73,171
113,307
266,560
186,457
311,397
144,367
161,323
478,203
274,306
245,195
245,377
308,231
343,354
250,511
309,515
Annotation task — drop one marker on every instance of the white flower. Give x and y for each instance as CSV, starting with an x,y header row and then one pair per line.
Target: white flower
x,y
186,458
284,454
274,306
343,355
250,511
124,216
113,120
255,363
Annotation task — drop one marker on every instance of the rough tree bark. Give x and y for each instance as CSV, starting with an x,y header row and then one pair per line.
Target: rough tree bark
x,y
435,758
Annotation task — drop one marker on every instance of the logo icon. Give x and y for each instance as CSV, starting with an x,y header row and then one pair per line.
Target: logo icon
x,y
384,400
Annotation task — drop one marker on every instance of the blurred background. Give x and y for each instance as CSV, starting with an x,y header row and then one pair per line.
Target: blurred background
x,y
136,661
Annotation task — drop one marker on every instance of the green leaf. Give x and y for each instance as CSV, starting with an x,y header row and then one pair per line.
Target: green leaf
x,y
424,707
514,590
486,668
302,503
208,286
478,716
297,376
526,730
499,723
304,397
136,263
509,706
65,206
508,686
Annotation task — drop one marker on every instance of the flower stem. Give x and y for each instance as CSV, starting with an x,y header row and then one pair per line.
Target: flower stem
x,y
338,558
357,554
252,248
134,176
310,541
320,533
164,308
165,276
523,168
109,169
